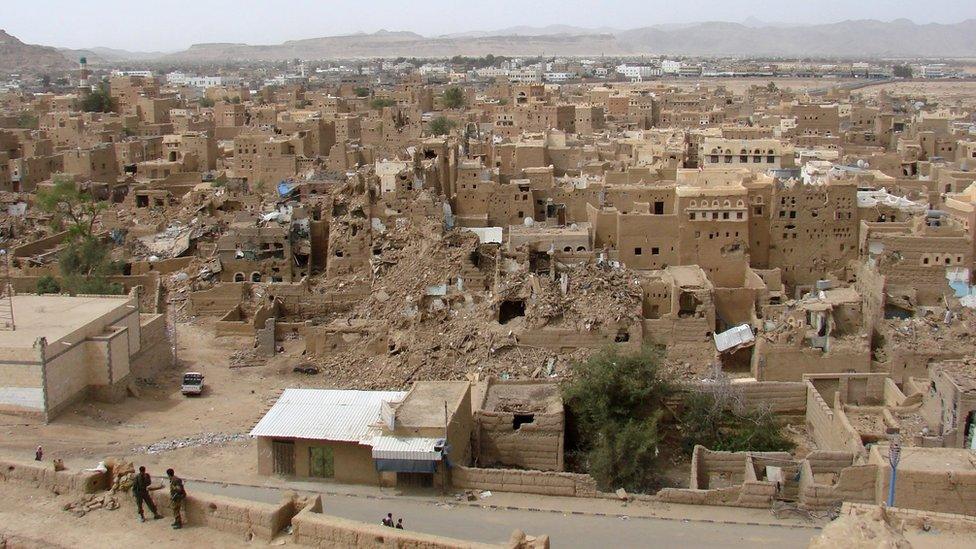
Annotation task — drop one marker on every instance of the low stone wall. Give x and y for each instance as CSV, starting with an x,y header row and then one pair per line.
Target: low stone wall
x,y
852,482
43,475
218,300
250,519
914,518
311,527
830,427
753,494
528,482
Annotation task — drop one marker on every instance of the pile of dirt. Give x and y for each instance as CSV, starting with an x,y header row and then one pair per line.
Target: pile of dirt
x,y
869,529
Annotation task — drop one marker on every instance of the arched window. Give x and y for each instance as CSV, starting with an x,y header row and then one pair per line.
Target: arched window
x,y
238,277
255,277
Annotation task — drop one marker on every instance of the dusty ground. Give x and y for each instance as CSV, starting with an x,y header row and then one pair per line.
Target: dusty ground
x,y
948,92
740,85
34,518
233,402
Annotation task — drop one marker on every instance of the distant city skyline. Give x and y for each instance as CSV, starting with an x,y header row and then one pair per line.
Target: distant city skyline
x,y
178,24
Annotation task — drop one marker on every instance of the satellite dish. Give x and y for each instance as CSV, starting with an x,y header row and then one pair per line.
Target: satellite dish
x,y
528,222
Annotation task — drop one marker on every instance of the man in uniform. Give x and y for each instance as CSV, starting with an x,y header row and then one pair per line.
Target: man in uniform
x,y
140,489
177,493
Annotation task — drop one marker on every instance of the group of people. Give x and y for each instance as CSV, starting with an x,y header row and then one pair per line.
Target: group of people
x,y
388,521
142,485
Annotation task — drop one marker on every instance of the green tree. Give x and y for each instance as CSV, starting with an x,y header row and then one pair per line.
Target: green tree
x,y
361,91
381,102
27,120
206,102
454,97
76,209
902,71
771,86
85,261
47,284
617,403
98,100
440,126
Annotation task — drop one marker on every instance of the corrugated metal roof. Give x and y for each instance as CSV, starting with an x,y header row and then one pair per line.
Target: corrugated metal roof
x,y
391,447
324,414
733,337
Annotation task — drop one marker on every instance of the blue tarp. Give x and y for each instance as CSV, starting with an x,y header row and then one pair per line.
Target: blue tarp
x,y
405,465
286,188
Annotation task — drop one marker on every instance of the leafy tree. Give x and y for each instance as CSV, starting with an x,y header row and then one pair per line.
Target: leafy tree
x,y
69,205
85,261
771,86
440,126
902,71
617,403
361,91
47,284
206,102
381,102
26,120
98,100
718,421
454,97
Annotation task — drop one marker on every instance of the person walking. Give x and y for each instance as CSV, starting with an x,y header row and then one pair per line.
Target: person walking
x,y
140,489
177,494
39,454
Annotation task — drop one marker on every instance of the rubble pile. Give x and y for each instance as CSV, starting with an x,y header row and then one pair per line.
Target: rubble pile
x,y
203,439
91,502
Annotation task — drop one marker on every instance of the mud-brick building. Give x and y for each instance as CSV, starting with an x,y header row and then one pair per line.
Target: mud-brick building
x,y
520,424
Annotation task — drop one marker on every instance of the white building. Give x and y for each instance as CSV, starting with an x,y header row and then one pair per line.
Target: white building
x,y
670,67
637,73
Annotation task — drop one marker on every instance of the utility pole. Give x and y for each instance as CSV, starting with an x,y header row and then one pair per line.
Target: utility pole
x,y
894,455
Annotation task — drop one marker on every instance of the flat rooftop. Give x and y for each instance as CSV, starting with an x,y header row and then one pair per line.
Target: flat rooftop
x,y
54,316
516,397
424,403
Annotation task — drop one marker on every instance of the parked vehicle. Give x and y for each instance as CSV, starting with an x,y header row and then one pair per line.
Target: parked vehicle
x,y
192,383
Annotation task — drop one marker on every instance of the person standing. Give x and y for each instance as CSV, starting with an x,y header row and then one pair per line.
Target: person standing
x,y
177,494
39,454
140,489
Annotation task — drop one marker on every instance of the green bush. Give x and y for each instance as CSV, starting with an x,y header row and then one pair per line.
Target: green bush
x,y
48,285
440,126
98,100
454,97
718,423
381,102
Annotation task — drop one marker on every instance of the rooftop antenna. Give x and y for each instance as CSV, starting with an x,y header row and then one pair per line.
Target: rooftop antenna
x,y
6,297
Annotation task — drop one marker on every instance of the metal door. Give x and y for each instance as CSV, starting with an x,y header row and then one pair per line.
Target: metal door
x,y
321,462
283,452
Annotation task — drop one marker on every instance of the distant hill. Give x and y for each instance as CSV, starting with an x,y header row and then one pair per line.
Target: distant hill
x,y
396,44
752,38
108,56
16,56
862,38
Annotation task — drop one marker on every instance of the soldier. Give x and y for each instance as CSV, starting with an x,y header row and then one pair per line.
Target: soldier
x,y
140,489
177,493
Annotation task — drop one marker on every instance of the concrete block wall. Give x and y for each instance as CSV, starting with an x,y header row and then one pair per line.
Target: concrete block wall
x,y
311,527
250,519
43,475
530,482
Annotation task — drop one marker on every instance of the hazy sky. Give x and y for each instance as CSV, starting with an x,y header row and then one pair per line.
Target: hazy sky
x,y
176,24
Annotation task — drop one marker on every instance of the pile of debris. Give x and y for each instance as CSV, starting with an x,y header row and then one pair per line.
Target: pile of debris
x,y
91,502
203,439
861,529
